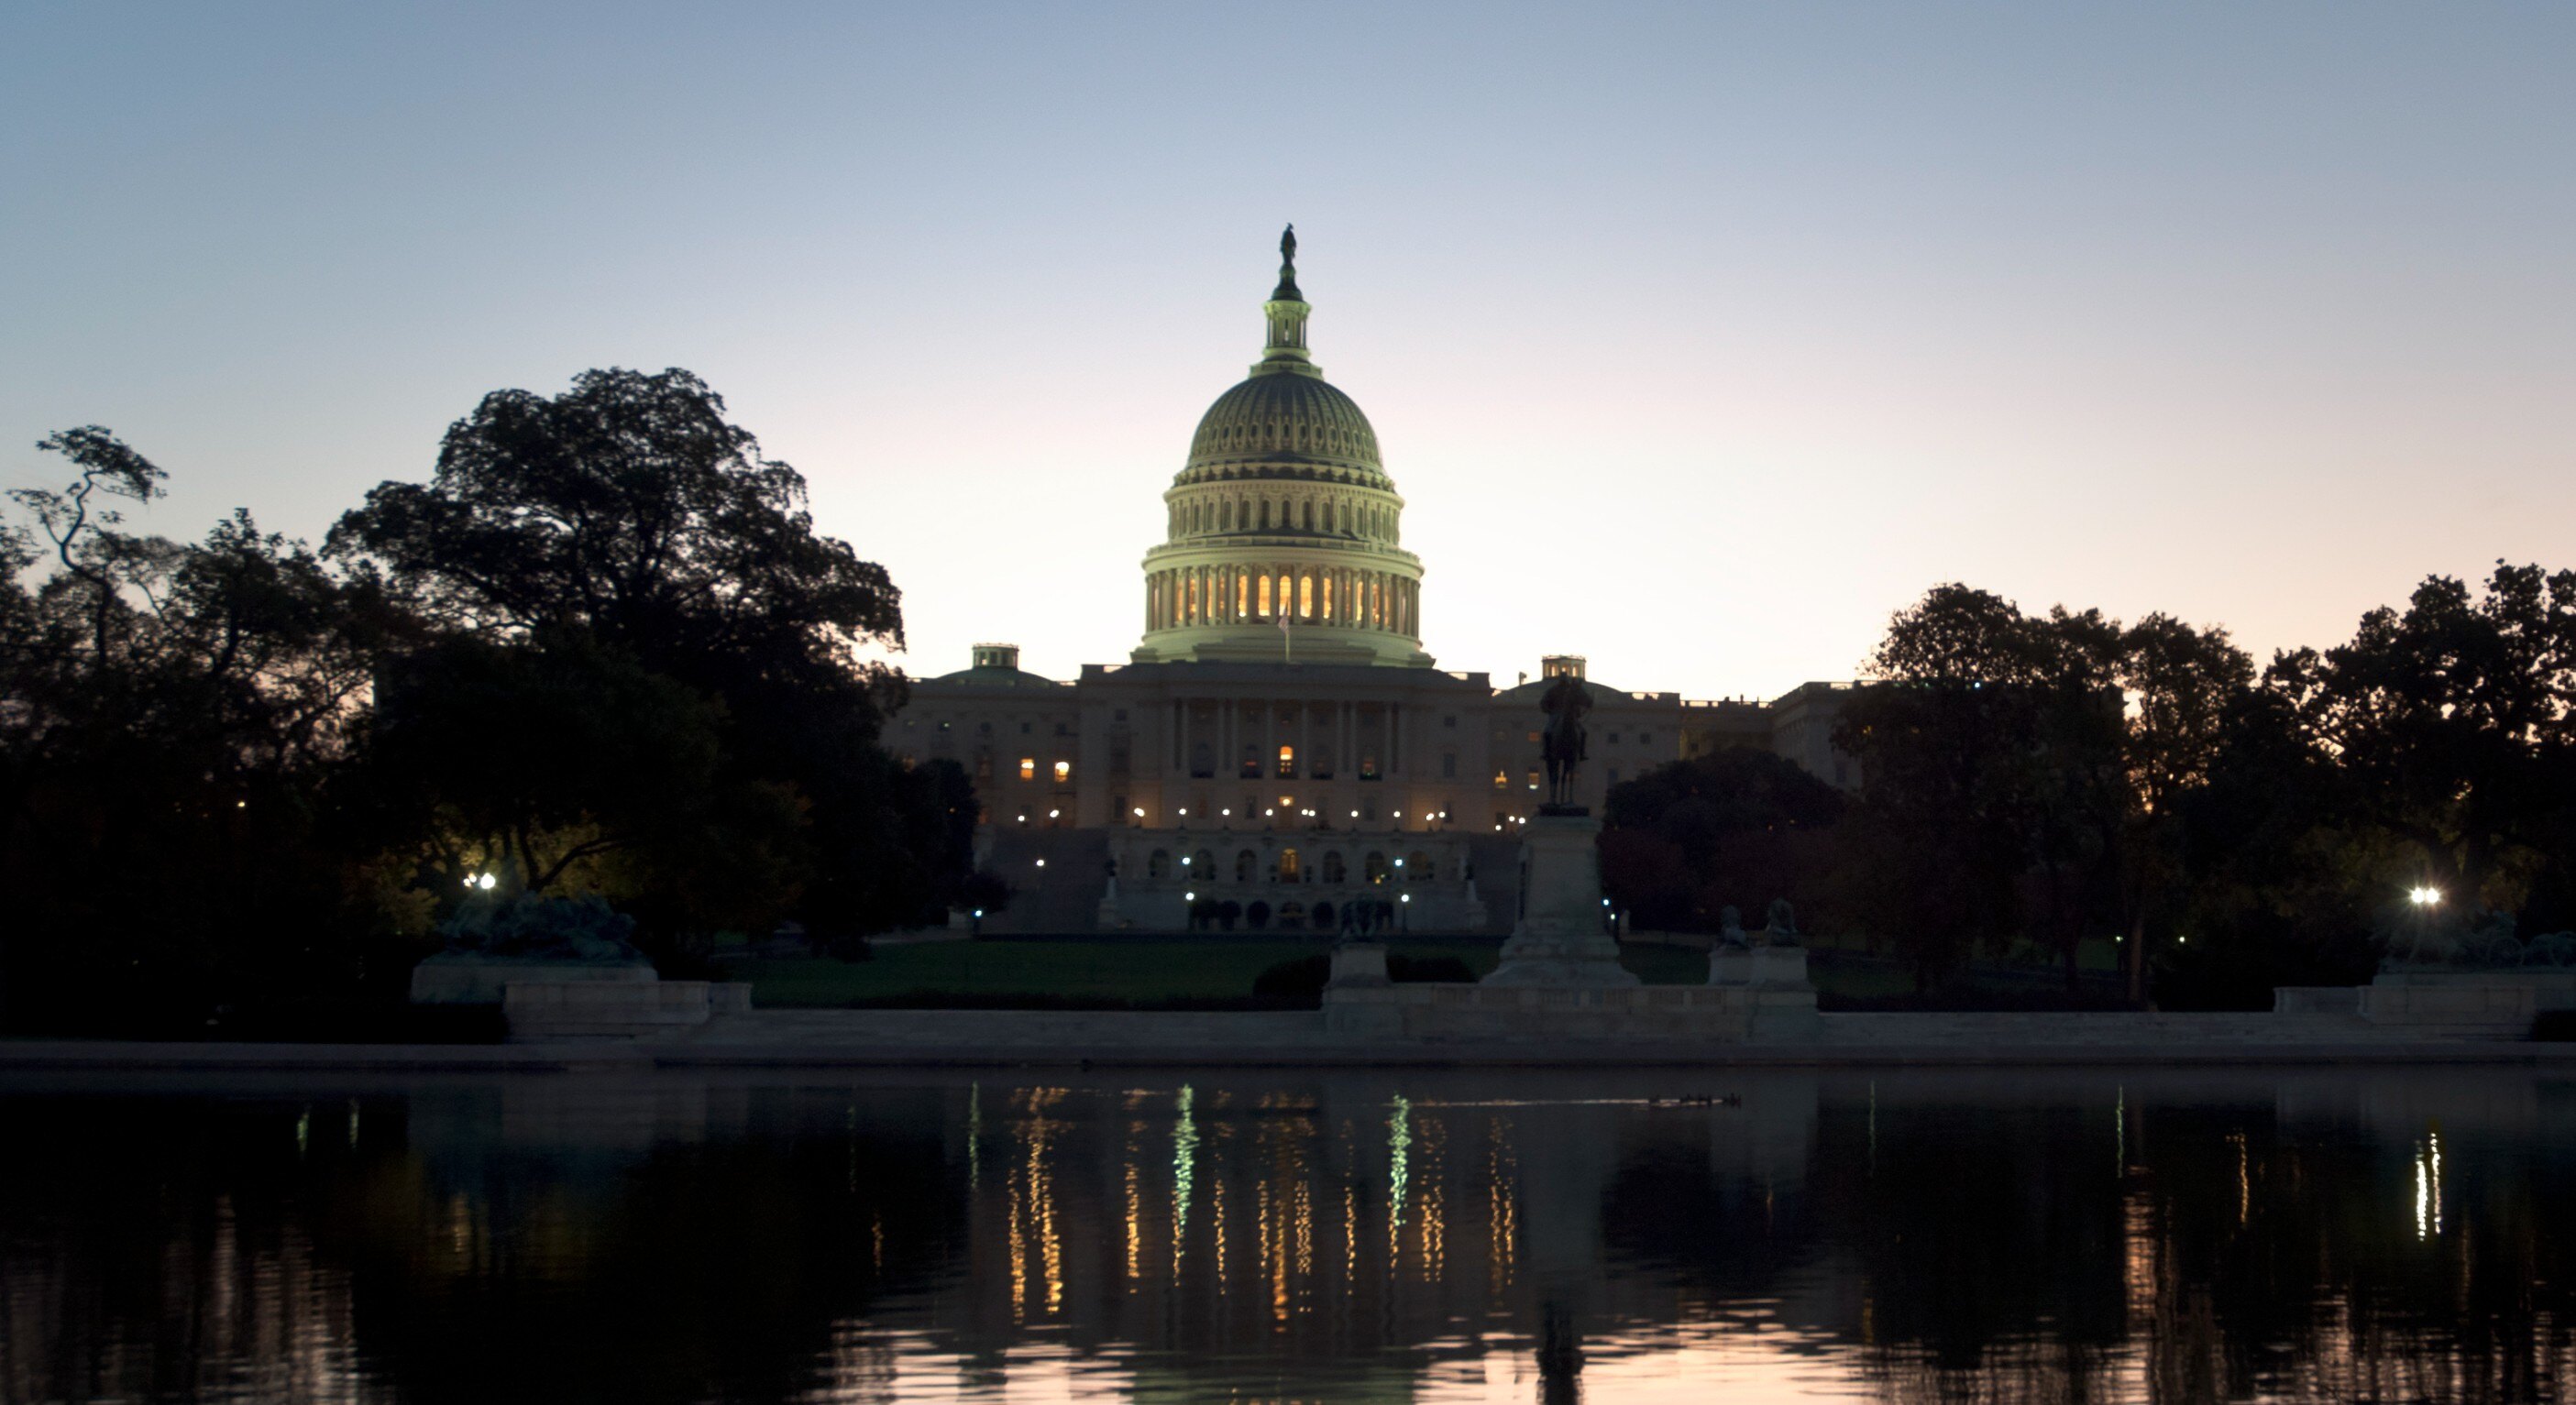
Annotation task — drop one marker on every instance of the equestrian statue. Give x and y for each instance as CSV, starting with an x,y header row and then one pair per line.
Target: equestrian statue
x,y
1561,743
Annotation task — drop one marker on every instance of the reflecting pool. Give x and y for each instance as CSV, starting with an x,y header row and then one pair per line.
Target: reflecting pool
x,y
1241,1236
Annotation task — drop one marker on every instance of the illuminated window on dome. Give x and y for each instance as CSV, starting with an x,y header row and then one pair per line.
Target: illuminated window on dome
x,y
1242,596
1328,597
1305,597
1265,597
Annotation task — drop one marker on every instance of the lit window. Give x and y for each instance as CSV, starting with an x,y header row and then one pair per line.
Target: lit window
x,y
1533,736
1533,780
1287,762
1063,772
1265,597
1028,768
1501,781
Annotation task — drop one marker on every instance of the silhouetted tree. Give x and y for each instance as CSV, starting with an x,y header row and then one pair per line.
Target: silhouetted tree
x,y
2023,771
1738,826
630,511
2453,721
175,715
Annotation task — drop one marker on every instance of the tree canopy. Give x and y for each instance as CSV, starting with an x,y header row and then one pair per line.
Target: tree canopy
x,y
602,649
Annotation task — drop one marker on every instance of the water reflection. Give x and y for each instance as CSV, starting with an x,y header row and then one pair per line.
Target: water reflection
x,y
1523,1236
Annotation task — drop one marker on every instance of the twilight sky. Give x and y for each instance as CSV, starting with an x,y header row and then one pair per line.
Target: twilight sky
x,y
1768,318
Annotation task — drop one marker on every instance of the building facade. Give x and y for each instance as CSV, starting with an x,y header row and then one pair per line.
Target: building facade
x,y
1279,749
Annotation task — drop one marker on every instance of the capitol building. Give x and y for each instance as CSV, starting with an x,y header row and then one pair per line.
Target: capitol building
x,y
1280,746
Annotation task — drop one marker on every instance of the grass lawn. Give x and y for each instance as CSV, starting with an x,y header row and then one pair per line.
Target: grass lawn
x,y
1180,972
1147,972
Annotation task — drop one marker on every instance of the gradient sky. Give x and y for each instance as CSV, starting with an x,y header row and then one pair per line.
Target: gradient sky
x,y
1764,318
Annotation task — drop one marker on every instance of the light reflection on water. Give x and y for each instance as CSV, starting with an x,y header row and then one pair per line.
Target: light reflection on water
x,y
1232,1236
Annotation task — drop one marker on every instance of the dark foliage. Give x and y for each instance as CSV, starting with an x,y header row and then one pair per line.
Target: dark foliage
x,y
1738,827
602,651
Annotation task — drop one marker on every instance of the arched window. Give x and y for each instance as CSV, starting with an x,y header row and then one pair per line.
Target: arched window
x,y
1158,864
1265,514
1335,870
1225,516
1203,866
1285,869
1305,595
1243,867
1265,597
1417,867
1310,516
1373,868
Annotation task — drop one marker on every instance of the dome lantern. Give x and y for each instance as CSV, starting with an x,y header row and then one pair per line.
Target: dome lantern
x,y
1287,311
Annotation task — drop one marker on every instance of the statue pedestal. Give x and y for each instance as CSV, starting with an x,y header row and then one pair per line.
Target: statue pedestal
x,y
1558,940
1359,963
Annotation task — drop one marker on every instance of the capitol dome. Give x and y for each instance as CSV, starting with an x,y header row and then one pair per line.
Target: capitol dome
x,y
1286,420
1283,511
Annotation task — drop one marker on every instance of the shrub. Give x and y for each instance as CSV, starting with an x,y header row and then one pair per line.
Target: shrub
x,y
1297,981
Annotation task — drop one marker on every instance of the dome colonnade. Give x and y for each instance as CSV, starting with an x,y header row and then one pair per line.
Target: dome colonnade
x,y
1284,512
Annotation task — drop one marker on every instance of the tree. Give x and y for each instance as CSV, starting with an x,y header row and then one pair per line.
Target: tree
x,y
1989,741
2183,686
1737,827
2452,720
630,512
561,764
2023,770
176,716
